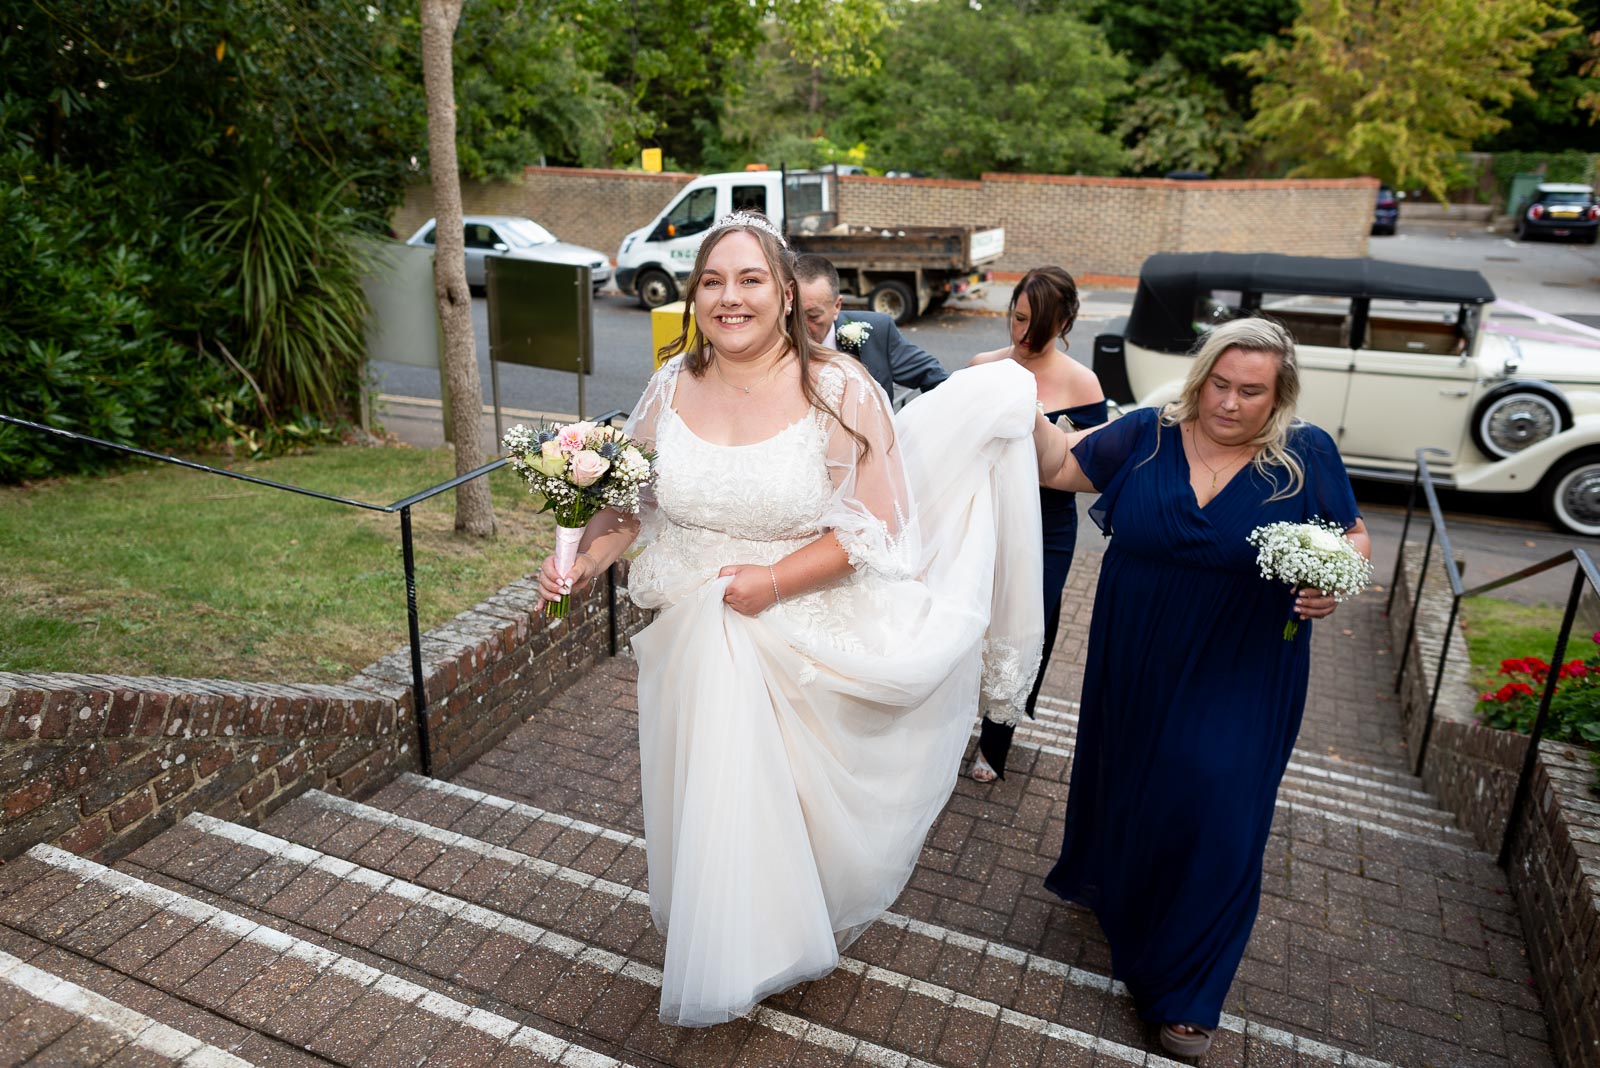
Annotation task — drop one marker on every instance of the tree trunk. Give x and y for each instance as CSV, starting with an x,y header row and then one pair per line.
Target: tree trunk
x,y
474,509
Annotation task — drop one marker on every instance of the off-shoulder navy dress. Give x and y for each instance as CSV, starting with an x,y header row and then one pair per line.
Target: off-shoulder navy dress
x,y
1191,703
1058,515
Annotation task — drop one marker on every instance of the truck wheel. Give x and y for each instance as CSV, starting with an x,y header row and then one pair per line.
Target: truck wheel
x,y
894,299
1571,493
655,288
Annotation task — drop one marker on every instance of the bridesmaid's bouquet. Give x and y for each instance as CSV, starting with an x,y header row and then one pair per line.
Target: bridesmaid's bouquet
x,y
1314,555
578,469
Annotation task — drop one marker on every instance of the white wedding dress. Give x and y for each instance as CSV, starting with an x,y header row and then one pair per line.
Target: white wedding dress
x,y
793,761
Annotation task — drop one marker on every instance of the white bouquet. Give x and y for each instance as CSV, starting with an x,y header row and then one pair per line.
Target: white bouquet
x,y
1314,555
578,469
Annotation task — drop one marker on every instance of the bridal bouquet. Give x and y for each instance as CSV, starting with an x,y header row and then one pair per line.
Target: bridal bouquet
x,y
1314,555
578,469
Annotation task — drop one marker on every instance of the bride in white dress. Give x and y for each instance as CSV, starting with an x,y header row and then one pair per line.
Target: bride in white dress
x,y
840,591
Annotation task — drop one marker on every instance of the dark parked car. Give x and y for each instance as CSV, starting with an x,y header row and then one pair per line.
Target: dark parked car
x,y
1560,210
1387,212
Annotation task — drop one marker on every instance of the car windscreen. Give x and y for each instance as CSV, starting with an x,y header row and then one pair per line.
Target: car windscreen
x,y
526,233
1548,197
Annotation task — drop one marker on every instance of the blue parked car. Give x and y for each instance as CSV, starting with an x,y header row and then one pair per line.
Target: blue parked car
x,y
1387,213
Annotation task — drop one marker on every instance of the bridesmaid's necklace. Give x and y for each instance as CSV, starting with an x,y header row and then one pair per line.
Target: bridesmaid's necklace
x,y
1216,472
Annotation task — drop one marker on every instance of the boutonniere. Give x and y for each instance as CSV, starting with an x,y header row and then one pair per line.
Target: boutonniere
x,y
853,335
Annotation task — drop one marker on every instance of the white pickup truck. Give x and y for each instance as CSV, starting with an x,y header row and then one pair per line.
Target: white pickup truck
x,y
901,271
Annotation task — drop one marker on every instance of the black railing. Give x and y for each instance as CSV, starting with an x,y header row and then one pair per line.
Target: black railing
x,y
1584,574
402,506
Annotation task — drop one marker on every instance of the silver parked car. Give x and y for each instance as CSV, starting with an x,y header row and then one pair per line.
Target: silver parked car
x,y
522,238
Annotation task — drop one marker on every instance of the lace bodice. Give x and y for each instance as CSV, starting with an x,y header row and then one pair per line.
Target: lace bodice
x,y
772,490
714,505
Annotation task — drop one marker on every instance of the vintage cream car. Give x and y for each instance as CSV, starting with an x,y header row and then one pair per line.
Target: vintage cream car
x,y
1392,358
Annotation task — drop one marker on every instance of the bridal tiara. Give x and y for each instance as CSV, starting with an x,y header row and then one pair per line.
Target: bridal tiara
x,y
752,219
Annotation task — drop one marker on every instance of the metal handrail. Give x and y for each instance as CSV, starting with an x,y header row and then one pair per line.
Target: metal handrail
x,y
403,506
1584,573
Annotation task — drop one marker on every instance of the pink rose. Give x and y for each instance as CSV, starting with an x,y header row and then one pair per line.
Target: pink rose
x,y
588,466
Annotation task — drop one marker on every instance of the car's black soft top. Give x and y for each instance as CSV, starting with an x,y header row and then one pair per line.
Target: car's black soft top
x,y
1164,306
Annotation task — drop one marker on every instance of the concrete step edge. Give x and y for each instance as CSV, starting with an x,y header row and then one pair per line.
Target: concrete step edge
x,y
1078,977
139,1030
1058,710
1436,842
1311,791
549,1047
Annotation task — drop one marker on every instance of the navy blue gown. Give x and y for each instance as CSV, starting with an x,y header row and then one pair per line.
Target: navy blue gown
x,y
1191,703
1058,515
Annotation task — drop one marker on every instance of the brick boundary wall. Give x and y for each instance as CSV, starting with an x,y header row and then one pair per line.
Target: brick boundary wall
x,y
1554,869
1103,227
98,764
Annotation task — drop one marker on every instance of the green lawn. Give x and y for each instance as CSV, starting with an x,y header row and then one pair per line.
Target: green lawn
x,y
1498,630
161,570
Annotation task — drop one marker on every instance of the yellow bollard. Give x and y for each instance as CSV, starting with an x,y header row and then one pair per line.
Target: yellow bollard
x,y
666,323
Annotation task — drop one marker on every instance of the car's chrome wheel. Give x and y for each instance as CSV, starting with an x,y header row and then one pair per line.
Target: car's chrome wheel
x,y
1575,496
1510,423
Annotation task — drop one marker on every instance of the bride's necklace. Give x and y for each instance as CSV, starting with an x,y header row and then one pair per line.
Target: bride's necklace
x,y
1216,472
716,365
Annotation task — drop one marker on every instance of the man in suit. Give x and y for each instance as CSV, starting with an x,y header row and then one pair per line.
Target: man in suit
x,y
868,336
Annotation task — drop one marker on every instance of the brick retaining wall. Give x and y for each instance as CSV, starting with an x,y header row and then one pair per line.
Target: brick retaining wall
x,y
1554,870
1092,226
100,763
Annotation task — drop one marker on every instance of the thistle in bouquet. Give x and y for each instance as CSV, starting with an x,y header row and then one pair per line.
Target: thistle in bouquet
x,y
1313,555
578,469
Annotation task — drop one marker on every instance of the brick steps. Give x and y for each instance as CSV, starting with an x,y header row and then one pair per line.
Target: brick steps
x,y
1023,991
62,963
1313,781
46,1019
1054,711
595,966
259,978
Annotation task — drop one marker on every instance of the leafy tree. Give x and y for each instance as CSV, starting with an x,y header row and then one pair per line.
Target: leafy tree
x,y
1395,91
1198,34
1565,103
677,62
967,88
524,95
154,116
1177,120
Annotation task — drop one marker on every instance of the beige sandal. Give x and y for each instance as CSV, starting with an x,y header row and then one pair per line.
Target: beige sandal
x,y
1192,1041
980,771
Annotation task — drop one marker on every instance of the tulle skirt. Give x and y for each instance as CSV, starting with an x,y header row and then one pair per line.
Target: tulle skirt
x,y
793,761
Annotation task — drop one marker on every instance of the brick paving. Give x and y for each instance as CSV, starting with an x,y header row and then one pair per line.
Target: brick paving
x,y
502,919
1405,948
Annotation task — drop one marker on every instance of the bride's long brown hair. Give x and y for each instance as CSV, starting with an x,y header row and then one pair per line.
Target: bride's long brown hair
x,y
696,349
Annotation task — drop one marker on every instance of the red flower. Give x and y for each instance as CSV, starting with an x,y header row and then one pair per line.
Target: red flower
x,y
1513,689
1574,669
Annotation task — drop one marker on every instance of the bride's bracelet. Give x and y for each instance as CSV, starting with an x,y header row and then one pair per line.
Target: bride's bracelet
x,y
773,574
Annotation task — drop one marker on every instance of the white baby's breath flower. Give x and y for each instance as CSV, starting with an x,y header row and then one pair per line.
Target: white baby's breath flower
x,y
1314,555
854,335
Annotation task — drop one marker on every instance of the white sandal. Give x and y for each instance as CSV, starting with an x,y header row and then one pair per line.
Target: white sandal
x,y
980,771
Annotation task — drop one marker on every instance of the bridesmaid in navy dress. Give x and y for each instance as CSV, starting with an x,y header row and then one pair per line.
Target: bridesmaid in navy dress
x,y
1044,305
1191,697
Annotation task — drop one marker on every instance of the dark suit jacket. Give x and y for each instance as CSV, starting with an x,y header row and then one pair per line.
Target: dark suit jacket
x,y
888,356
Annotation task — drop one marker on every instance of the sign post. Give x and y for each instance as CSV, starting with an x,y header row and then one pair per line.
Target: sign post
x,y
540,315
